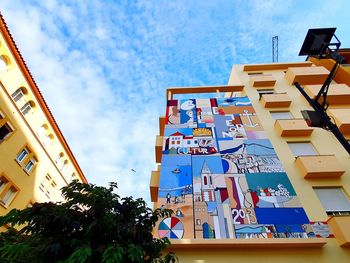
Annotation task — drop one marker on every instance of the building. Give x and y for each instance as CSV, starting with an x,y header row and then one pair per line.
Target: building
x,y
268,188
35,159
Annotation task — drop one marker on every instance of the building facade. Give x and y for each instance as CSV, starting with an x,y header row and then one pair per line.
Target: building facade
x,y
35,159
259,185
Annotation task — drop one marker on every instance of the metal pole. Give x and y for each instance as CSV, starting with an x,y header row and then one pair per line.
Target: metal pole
x,y
326,119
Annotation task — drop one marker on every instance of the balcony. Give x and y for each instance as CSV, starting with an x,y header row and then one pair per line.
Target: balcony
x,y
340,226
154,185
343,72
262,80
342,119
306,75
319,166
276,100
159,148
292,128
337,93
161,125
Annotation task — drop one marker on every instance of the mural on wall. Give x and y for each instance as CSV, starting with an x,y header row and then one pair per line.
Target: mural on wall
x,y
222,177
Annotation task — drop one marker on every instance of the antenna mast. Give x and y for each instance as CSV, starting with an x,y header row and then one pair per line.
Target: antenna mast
x,y
275,49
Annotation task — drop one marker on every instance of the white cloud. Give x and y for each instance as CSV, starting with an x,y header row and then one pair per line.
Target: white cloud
x,y
103,66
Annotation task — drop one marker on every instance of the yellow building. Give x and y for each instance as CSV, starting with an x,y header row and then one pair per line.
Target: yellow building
x,y
249,180
35,159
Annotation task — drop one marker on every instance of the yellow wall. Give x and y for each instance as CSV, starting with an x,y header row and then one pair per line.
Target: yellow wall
x,y
329,253
27,133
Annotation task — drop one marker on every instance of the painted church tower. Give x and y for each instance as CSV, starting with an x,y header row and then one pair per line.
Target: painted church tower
x,y
208,194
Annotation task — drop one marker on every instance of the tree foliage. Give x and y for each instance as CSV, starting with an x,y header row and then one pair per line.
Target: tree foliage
x,y
93,224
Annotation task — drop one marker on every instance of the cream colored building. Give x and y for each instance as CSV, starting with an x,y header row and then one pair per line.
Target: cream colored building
x,y
35,159
317,165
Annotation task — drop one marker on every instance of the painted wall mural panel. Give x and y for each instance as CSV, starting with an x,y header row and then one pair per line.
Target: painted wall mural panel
x,y
222,177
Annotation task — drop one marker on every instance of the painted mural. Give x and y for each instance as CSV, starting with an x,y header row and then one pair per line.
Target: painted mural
x,y
221,175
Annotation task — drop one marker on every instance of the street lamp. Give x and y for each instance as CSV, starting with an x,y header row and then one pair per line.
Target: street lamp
x,y
318,44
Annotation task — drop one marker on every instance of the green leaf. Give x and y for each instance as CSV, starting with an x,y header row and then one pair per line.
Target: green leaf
x,y
135,253
80,256
113,254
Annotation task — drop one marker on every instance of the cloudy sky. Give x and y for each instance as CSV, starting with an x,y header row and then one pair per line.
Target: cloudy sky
x,y
103,66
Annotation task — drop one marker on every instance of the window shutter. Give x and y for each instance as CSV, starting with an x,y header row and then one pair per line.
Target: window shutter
x,y
333,199
302,148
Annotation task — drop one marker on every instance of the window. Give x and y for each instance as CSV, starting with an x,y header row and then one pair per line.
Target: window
x,y
30,164
64,164
45,136
48,139
48,186
5,127
281,115
42,130
302,148
26,159
22,155
19,94
254,73
73,177
26,108
59,157
8,191
7,198
334,200
5,131
265,91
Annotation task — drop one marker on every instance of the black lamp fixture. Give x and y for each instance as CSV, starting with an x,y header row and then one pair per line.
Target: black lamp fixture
x,y
318,44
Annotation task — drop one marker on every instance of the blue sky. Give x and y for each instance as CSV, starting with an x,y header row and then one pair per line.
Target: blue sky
x,y
103,66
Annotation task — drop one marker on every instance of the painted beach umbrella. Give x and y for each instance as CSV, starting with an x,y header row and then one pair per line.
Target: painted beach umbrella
x,y
171,227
